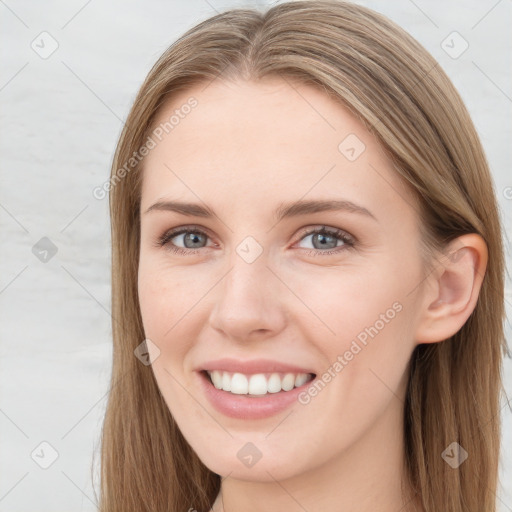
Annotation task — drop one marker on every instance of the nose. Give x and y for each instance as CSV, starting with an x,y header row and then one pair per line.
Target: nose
x,y
249,302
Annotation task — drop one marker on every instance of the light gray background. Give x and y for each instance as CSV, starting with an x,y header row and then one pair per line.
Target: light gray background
x,y
60,120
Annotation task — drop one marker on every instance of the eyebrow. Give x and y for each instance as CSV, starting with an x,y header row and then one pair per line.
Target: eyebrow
x,y
283,211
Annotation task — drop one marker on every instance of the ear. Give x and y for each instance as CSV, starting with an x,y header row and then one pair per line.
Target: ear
x,y
452,289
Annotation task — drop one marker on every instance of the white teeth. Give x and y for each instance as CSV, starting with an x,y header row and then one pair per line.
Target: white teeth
x,y
258,384
300,379
274,383
288,382
226,382
239,384
216,377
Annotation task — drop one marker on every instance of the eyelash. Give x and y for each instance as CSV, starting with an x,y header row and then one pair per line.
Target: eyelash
x,y
348,240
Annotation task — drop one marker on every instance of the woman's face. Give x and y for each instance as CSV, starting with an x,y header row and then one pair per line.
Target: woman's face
x,y
252,290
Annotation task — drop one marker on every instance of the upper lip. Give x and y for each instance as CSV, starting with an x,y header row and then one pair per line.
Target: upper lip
x,y
252,366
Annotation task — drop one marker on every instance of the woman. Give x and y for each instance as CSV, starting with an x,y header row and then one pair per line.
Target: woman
x,y
307,263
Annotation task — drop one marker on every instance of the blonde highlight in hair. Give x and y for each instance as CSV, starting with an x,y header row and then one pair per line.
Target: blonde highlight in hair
x,y
392,84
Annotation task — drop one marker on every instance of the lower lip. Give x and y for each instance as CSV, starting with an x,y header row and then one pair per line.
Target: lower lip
x,y
249,407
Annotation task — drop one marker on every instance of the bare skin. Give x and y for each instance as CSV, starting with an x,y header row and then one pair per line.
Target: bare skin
x,y
245,149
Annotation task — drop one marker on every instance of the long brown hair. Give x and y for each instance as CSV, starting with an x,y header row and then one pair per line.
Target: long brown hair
x,y
397,89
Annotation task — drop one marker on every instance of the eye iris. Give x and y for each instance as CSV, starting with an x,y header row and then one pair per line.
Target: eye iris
x,y
193,237
323,244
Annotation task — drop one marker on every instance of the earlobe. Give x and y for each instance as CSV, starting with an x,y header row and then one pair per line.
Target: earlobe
x,y
454,289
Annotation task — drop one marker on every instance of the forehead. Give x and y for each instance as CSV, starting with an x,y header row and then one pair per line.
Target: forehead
x,y
248,143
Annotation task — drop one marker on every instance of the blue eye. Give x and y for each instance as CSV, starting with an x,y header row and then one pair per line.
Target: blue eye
x,y
323,238
191,236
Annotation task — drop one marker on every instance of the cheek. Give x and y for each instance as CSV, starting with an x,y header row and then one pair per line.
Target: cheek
x,y
164,317
366,331
171,300
345,301
159,300
162,290
151,299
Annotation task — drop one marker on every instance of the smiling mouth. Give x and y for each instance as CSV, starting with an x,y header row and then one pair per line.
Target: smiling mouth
x,y
259,384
